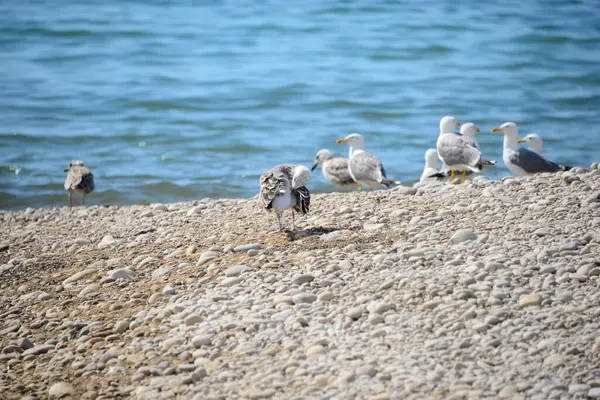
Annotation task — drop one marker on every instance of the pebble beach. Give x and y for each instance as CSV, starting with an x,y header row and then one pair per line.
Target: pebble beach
x,y
484,290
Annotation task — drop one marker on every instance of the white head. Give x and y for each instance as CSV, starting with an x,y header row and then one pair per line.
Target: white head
x,y
322,156
508,128
75,163
535,142
469,129
355,140
447,124
301,176
431,158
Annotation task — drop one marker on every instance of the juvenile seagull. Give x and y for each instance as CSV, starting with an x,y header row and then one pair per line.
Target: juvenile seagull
x,y
79,180
468,130
521,161
364,167
283,187
334,169
457,152
534,142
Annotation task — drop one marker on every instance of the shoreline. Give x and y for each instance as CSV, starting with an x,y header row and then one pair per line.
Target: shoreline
x,y
483,290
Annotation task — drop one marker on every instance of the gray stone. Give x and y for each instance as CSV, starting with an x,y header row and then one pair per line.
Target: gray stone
x,y
121,273
37,350
160,272
25,344
246,247
299,279
304,298
201,340
354,312
122,326
236,270
192,319
60,390
79,276
91,289
463,235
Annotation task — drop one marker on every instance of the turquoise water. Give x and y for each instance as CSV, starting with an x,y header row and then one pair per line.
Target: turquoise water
x,y
169,101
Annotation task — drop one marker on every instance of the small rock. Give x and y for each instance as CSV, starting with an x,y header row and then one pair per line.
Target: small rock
x,y
299,279
168,290
531,299
192,319
60,390
121,273
107,241
594,393
232,281
121,326
91,289
159,207
236,270
325,296
463,235
315,350
304,298
80,275
547,269
41,349
201,340
160,272
25,344
206,257
246,247
354,312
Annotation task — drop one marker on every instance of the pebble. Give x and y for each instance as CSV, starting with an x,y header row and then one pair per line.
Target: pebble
x,y
594,393
315,350
91,289
79,276
206,257
236,270
192,319
122,326
201,340
304,298
531,299
25,344
106,241
60,390
231,281
299,279
246,247
354,312
160,272
168,290
37,350
121,273
463,235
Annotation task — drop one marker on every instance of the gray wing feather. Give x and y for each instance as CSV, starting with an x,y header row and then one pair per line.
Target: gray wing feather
x,y
80,178
337,168
455,150
532,162
365,166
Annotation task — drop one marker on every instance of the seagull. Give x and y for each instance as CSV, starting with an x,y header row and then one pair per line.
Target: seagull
x,y
79,180
334,169
283,187
468,130
521,161
457,152
535,143
364,167
431,171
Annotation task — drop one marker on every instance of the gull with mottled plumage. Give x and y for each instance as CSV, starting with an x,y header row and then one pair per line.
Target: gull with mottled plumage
x,y
283,187
365,168
334,169
457,152
521,161
534,142
469,130
79,180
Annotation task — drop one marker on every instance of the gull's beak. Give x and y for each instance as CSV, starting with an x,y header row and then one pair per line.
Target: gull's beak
x,y
477,130
457,123
521,141
496,130
339,141
314,166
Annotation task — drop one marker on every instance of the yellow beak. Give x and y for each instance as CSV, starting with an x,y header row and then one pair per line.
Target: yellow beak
x,y
457,123
477,130
341,141
496,130
521,141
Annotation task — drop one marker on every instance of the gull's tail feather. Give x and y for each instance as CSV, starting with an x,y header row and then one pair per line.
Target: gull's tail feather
x,y
302,200
566,167
488,162
388,182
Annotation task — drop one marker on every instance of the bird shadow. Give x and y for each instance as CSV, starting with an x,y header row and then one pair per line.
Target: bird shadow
x,y
316,231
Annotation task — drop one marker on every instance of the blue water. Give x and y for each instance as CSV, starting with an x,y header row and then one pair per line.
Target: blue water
x,y
172,101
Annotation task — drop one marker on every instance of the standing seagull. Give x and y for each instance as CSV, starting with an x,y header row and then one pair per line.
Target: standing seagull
x,y
79,180
457,152
334,169
283,187
468,130
521,161
534,142
431,171
364,167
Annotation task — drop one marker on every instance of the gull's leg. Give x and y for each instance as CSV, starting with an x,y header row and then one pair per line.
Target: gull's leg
x,y
70,203
452,176
293,221
279,220
464,176
360,188
370,189
83,200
